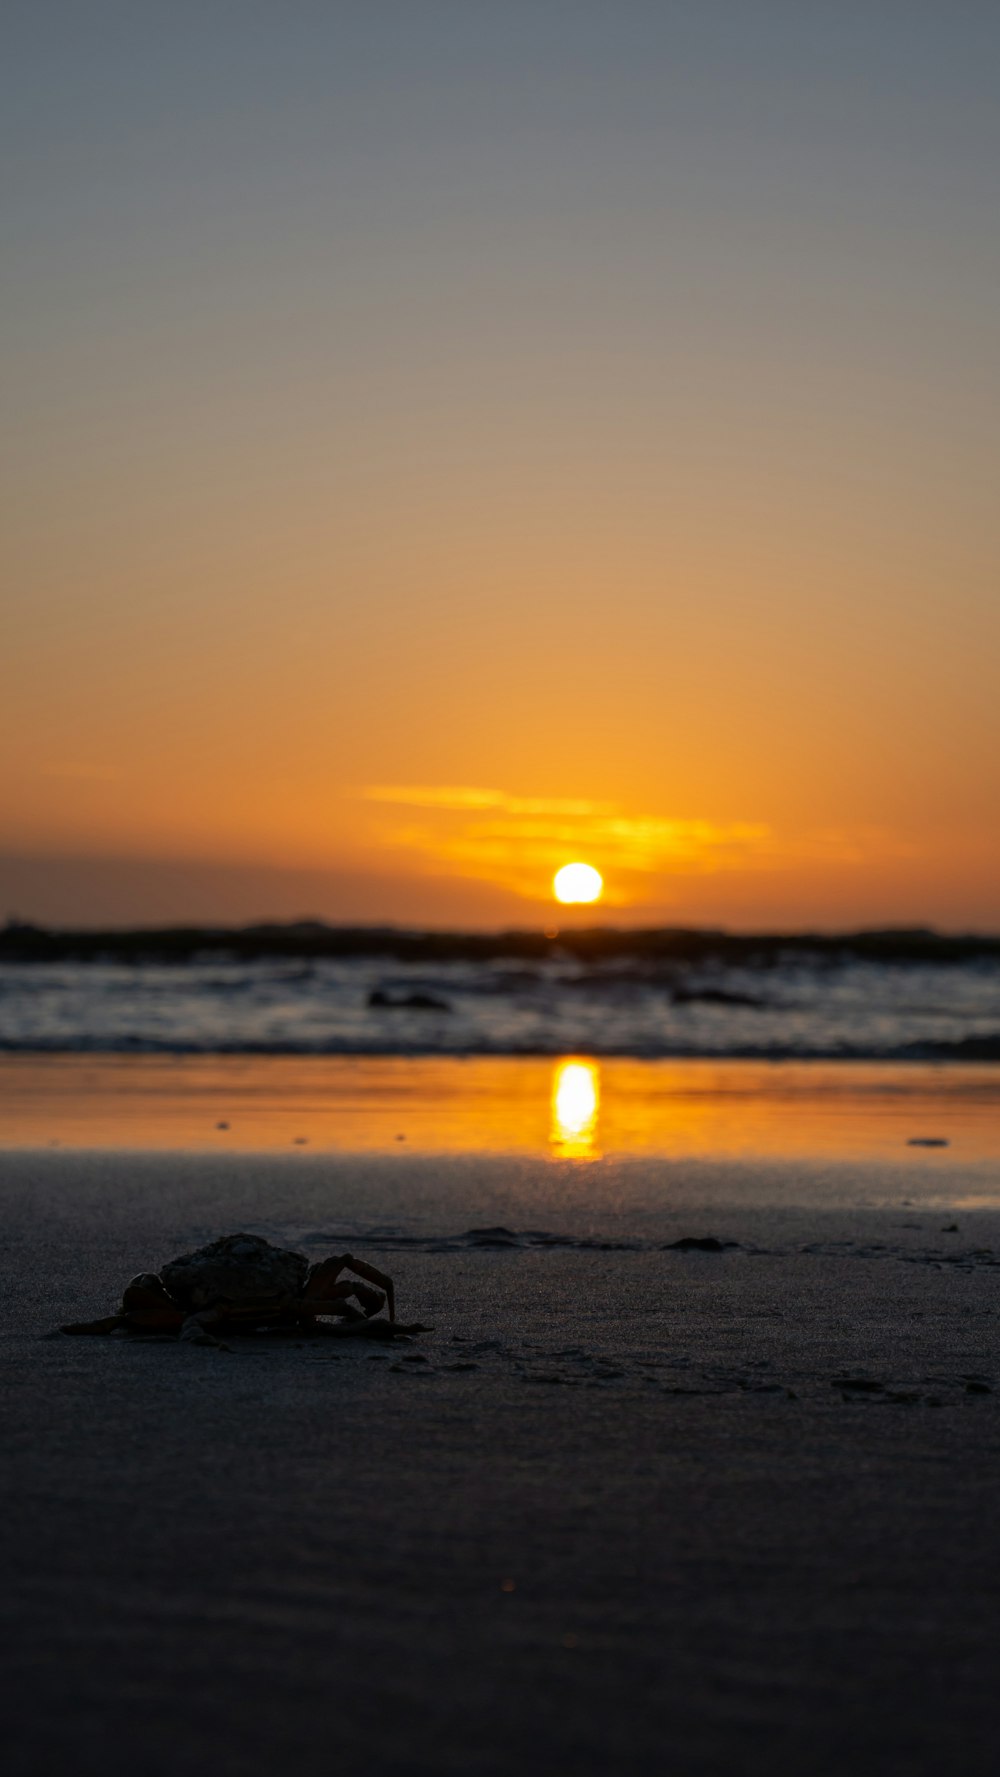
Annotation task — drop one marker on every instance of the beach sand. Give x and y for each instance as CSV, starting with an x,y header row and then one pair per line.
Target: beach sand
x,y
627,1507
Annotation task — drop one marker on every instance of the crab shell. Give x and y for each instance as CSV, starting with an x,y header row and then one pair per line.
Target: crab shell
x,y
239,1271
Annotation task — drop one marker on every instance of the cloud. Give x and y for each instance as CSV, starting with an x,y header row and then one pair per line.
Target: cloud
x,y
519,841
461,797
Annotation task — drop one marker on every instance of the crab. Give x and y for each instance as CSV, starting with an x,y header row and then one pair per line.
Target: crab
x,y
242,1283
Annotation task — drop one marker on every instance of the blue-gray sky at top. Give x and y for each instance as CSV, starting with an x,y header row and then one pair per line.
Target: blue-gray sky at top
x,y
127,126
351,262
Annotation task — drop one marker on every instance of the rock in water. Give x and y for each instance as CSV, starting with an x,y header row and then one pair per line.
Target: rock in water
x,y
694,1243
238,1268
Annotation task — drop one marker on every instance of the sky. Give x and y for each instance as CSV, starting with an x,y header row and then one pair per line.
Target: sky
x,y
450,439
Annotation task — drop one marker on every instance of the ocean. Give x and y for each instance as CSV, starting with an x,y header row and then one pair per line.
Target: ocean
x,y
784,999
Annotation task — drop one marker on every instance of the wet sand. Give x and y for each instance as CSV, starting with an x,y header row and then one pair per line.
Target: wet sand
x,y
573,1107
630,1506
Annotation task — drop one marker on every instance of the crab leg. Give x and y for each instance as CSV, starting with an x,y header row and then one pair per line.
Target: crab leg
x,y
335,1300
324,1275
324,1296
200,1328
313,1309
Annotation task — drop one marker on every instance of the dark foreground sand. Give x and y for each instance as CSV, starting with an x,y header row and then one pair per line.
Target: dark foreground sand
x,y
626,1510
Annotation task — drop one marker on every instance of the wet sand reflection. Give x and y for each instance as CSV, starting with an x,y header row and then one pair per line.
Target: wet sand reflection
x,y
568,1108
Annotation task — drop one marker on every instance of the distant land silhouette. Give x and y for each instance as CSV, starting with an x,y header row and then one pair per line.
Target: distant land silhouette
x,y
23,942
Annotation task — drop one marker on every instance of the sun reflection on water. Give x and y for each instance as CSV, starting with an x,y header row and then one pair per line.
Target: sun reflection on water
x,y
576,1103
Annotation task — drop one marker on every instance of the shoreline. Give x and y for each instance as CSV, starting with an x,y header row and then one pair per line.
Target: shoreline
x,y
574,1107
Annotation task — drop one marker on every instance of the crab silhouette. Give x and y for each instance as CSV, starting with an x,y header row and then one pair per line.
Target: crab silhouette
x,y
243,1284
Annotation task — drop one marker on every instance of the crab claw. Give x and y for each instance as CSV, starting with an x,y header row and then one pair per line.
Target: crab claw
x,y
323,1285
147,1307
361,1269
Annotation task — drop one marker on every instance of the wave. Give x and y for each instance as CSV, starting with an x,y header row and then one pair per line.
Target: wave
x,y
758,1006
523,1240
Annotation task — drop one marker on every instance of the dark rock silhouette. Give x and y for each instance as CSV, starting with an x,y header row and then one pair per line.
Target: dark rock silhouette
x,y
407,1002
714,996
693,1243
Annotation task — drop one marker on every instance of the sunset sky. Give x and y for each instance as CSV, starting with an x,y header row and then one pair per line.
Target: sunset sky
x,y
447,439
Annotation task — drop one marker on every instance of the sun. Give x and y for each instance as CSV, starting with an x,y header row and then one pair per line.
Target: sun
x,y
577,882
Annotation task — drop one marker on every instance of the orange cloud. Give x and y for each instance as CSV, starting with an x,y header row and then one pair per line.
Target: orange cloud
x,y
462,797
518,841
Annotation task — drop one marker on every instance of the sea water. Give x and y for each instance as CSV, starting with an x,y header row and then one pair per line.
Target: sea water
x,y
848,1008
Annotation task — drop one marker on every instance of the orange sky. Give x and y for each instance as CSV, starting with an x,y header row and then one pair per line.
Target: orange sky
x,y
439,455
